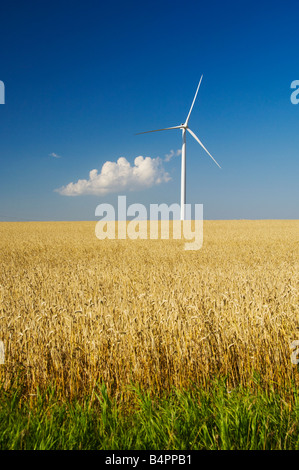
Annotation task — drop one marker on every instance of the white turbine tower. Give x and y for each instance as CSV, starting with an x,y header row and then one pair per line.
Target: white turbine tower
x,y
184,128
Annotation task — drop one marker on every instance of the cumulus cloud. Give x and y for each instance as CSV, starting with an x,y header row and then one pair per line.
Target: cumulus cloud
x,y
171,154
119,176
54,155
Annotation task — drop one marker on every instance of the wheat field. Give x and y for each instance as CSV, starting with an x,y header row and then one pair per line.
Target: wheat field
x,y
75,310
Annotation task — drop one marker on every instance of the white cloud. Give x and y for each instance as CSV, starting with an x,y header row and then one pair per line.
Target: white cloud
x,y
171,154
54,155
119,176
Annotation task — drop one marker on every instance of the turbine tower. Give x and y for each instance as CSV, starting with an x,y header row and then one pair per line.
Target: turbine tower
x,y
184,127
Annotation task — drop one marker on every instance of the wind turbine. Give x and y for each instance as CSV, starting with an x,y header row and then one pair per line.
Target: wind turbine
x,y
184,127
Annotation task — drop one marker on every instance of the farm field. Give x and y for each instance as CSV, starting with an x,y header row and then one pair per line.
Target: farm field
x,y
90,320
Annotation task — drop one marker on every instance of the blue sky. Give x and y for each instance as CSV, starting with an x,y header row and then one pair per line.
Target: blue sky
x,y
82,78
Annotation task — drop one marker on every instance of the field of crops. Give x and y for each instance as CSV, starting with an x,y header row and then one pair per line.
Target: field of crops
x,y
76,310
140,344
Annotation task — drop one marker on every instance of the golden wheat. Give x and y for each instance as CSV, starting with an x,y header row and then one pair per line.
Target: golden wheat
x,y
76,310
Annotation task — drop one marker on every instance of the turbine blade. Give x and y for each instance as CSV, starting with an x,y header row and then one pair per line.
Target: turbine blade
x,y
200,143
193,101
156,130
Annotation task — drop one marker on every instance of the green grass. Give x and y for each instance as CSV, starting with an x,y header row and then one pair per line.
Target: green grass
x,y
217,419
